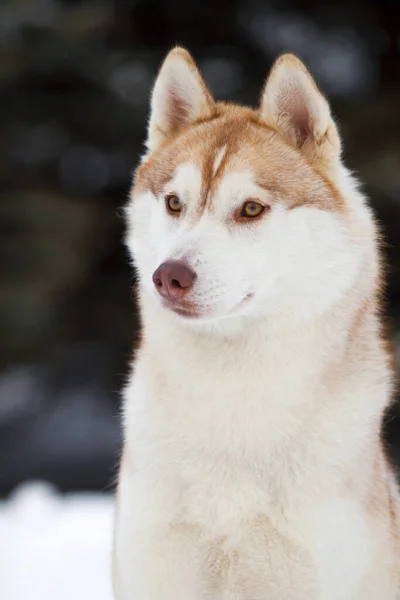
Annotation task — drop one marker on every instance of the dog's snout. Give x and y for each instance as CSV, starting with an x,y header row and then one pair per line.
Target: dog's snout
x,y
173,279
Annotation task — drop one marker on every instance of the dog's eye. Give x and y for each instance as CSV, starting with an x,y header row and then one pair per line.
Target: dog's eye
x,y
252,209
173,204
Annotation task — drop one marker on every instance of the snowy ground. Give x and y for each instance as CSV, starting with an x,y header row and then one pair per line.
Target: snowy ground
x,y
55,547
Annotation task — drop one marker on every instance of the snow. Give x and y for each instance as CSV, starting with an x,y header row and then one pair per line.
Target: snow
x,y
55,547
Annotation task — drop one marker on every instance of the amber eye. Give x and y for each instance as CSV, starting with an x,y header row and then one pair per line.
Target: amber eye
x,y
173,204
252,209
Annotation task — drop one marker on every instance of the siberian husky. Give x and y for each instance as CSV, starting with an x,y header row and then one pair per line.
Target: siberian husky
x,y
253,466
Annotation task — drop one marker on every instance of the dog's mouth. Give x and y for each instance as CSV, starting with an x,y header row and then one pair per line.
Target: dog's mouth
x,y
190,310
187,310
186,314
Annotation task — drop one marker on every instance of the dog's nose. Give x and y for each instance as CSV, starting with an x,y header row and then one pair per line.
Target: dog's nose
x,y
173,279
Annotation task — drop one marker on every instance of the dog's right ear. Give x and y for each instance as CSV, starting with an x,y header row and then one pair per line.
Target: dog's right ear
x,y
180,98
293,105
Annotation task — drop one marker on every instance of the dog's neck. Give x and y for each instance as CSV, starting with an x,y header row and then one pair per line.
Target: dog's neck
x,y
287,385
317,343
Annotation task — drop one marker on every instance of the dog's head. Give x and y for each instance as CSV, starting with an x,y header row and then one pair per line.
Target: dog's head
x,y
235,211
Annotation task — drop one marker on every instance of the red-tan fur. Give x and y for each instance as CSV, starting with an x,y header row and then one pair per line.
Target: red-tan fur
x,y
279,168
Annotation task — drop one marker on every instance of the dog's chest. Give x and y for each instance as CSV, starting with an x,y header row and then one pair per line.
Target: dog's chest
x,y
232,453
226,462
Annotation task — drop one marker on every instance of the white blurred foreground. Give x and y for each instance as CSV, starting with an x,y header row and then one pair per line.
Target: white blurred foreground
x,y
55,547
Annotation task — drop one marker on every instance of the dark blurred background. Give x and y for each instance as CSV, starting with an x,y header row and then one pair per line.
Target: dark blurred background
x,y
75,79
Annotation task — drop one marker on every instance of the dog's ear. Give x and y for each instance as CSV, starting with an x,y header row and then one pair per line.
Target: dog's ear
x,y
293,105
180,98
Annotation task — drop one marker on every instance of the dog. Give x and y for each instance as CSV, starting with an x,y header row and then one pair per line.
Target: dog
x,y
253,466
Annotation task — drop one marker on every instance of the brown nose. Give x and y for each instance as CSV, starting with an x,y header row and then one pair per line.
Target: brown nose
x,y
173,279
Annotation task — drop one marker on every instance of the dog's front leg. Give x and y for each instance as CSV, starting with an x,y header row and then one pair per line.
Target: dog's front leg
x,y
155,563
155,557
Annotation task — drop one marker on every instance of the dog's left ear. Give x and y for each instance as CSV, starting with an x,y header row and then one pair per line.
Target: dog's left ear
x,y
180,98
293,105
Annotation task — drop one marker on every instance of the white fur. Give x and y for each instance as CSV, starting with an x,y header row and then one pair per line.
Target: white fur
x,y
218,159
245,427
